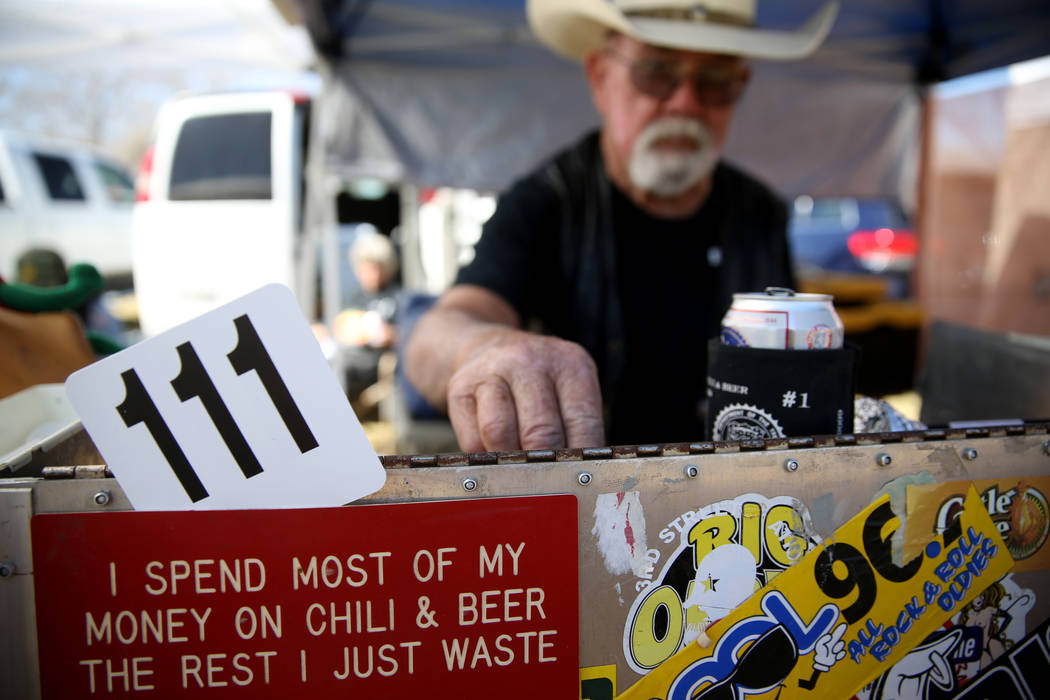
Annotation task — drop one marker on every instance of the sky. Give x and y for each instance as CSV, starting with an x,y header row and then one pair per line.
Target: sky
x,y
98,70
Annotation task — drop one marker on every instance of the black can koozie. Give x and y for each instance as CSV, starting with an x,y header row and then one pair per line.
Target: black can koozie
x,y
756,393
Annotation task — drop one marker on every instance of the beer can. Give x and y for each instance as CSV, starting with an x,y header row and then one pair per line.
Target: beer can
x,y
783,319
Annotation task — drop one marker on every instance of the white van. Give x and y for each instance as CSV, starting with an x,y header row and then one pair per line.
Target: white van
x,y
218,203
66,198
219,212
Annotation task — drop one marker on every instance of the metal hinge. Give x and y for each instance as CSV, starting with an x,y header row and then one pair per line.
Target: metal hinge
x,y
701,448
476,459
92,471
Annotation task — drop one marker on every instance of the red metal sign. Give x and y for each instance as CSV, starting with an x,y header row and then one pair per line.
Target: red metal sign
x,y
448,599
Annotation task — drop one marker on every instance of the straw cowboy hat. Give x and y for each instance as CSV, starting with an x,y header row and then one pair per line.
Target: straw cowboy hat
x,y
575,27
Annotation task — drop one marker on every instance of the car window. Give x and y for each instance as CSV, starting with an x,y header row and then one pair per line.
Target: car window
x,y
222,157
880,213
825,211
62,183
117,184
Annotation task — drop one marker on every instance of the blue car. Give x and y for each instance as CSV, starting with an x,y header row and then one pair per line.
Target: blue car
x,y
844,235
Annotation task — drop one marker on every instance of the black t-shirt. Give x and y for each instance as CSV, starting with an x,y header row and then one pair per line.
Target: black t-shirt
x,y
670,283
666,283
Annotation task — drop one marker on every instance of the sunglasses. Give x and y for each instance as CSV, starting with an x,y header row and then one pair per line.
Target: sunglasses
x,y
660,78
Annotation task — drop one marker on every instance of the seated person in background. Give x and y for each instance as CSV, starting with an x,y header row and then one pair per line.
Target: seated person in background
x,y
366,327
624,250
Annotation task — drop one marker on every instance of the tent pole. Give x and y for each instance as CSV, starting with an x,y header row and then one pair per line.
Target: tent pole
x,y
412,273
319,241
922,216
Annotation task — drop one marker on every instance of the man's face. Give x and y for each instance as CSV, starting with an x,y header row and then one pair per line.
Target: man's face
x,y
372,276
666,112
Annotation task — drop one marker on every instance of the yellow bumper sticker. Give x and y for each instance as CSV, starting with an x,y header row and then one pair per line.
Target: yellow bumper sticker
x,y
843,615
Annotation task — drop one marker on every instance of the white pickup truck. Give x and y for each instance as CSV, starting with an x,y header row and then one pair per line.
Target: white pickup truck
x,y
64,198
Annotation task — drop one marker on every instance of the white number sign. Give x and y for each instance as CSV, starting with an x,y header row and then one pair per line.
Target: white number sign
x,y
237,408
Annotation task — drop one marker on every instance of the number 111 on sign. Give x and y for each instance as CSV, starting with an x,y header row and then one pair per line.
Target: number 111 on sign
x,y
193,381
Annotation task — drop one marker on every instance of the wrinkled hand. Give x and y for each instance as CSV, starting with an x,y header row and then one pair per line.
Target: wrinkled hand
x,y
830,648
517,390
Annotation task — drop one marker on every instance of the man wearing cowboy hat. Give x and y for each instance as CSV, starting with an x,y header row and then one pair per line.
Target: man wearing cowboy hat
x,y
626,248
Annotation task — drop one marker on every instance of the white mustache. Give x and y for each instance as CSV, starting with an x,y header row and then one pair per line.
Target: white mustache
x,y
674,127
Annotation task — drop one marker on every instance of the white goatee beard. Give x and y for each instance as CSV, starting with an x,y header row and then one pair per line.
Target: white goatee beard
x,y
669,174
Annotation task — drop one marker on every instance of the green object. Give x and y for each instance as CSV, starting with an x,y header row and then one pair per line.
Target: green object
x,y
84,283
102,344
